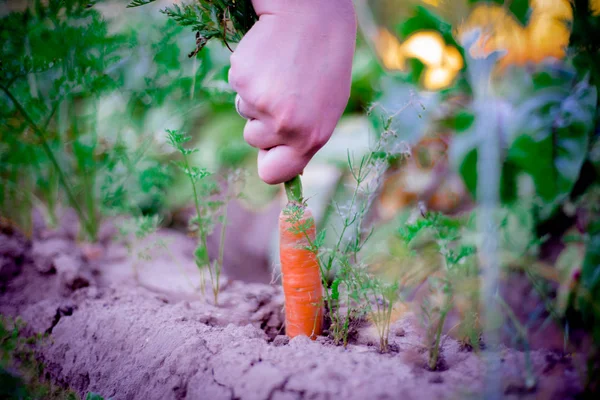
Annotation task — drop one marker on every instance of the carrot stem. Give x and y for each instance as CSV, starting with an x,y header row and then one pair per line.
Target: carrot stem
x,y
293,189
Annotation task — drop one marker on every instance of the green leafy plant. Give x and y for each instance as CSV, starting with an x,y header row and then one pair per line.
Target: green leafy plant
x,y
209,208
43,52
446,235
20,372
550,116
225,20
58,64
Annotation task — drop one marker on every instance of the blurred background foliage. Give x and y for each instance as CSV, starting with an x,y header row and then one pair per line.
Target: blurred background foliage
x,y
87,91
543,97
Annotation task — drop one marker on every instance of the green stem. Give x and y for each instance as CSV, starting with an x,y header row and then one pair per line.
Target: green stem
x,y
61,176
435,351
200,227
347,223
293,189
219,265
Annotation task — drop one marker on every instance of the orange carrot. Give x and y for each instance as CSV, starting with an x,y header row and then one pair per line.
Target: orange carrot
x,y
301,276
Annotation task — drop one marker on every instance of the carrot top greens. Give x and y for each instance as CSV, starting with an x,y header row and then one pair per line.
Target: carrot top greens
x,y
224,20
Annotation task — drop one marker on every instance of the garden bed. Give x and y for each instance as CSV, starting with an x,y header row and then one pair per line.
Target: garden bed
x,y
151,338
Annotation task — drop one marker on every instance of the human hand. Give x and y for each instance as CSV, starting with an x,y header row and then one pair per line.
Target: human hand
x,y
292,72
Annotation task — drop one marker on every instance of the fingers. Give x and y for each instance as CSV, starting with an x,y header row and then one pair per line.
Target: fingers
x,y
258,135
280,164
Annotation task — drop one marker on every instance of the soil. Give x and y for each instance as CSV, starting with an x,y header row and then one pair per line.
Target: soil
x,y
131,328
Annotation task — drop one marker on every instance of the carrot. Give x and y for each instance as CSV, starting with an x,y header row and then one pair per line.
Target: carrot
x,y
302,286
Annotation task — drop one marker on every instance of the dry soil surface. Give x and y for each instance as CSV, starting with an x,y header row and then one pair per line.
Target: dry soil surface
x,y
128,329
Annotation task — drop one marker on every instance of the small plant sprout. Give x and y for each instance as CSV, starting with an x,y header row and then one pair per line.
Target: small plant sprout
x,y
208,209
446,235
194,174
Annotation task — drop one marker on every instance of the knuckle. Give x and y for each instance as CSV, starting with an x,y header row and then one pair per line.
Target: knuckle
x,y
315,142
287,119
261,102
283,122
236,80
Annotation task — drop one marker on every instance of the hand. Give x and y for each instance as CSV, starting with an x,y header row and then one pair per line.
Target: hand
x,y
292,72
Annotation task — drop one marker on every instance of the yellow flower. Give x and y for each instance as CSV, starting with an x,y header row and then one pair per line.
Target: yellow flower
x,y
426,46
436,78
595,7
546,34
499,31
389,50
552,9
547,38
442,62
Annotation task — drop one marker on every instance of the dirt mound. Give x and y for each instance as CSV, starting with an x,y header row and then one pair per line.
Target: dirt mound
x,y
126,338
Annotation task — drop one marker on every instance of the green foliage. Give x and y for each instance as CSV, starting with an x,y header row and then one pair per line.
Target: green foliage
x,y
519,8
51,52
546,128
141,227
583,43
21,374
210,202
138,3
94,396
446,234
590,280
424,19
60,69
554,127
198,222
225,20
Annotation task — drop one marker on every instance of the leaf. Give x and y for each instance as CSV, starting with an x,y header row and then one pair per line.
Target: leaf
x,y
320,239
595,154
194,173
459,122
227,20
176,139
187,152
589,292
186,14
94,396
335,289
424,19
146,225
568,265
551,135
138,3
201,254
545,123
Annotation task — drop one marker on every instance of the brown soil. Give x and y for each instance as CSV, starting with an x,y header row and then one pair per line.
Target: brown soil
x,y
138,329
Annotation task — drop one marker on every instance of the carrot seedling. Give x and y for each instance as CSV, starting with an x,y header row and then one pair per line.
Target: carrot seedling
x,y
208,209
446,235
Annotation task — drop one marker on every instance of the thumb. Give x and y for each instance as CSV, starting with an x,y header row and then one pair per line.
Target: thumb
x,y
280,164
